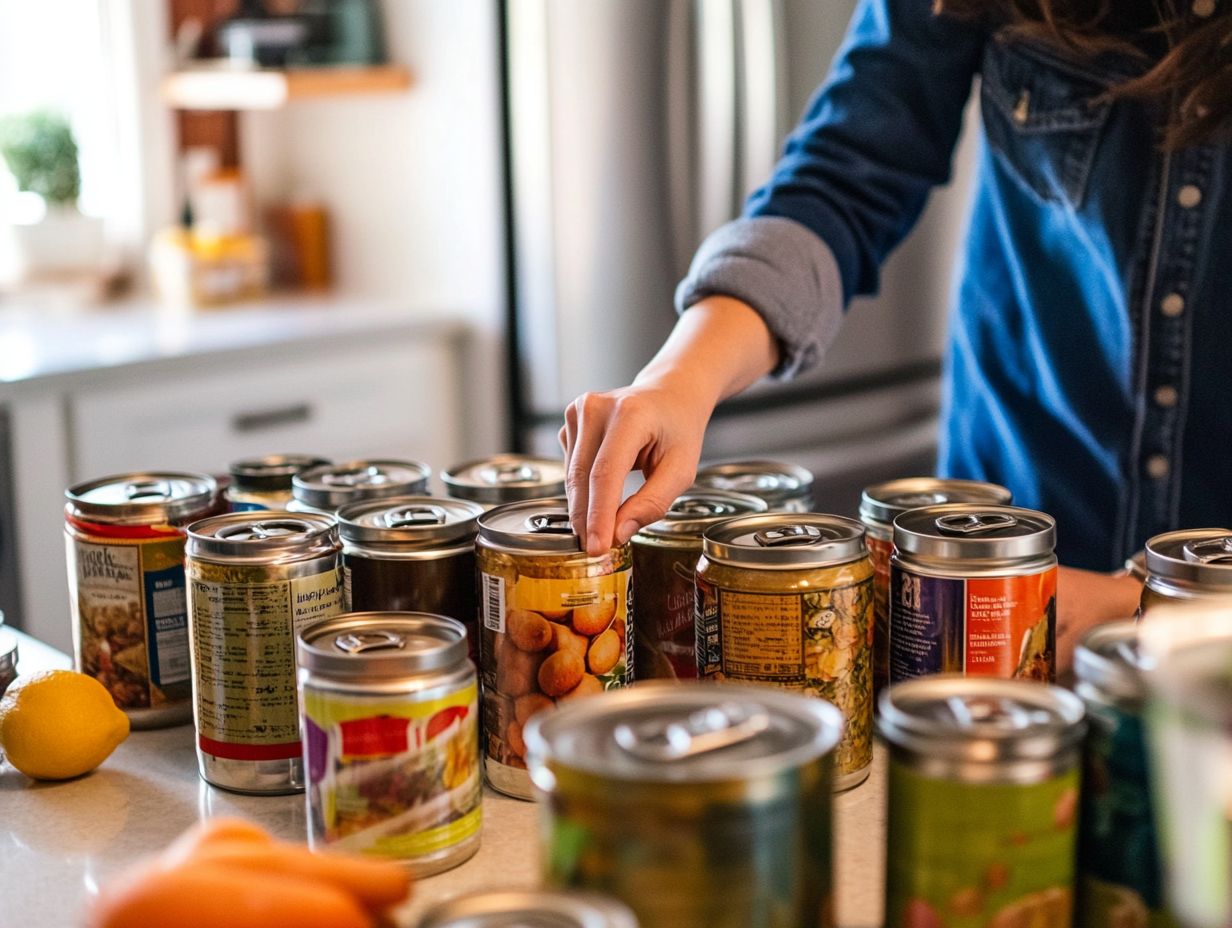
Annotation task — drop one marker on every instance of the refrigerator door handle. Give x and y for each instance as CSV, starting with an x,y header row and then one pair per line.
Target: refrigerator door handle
x,y
681,91
718,195
763,97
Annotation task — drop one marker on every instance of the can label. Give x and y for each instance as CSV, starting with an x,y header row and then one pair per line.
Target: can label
x,y
879,552
987,626
244,658
969,855
663,612
392,776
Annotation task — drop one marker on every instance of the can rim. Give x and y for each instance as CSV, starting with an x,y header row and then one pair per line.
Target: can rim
x,y
271,471
1103,660
548,480
920,532
825,540
203,489
586,910
509,527
411,536
368,660
312,489
1169,556
723,473
881,502
277,533
677,523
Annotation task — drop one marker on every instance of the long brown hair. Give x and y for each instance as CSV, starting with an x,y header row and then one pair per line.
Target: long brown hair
x,y
1195,69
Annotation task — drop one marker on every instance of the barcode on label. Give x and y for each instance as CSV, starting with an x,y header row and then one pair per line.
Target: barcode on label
x,y
493,603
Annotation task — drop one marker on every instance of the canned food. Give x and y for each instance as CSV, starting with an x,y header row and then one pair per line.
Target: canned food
x,y
324,489
983,801
880,505
787,599
411,554
555,626
783,487
1190,566
973,590
665,557
538,908
125,546
505,478
391,737
265,482
254,581
695,804
1120,877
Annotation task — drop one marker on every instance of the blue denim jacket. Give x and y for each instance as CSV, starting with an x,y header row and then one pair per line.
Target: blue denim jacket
x,y
1091,344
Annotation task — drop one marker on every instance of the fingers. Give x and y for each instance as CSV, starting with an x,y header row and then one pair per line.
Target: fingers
x,y
622,446
671,477
586,422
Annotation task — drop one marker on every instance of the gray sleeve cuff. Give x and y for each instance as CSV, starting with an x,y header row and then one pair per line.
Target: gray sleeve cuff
x,y
781,269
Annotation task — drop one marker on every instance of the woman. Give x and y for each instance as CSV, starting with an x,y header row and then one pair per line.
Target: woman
x,y
1091,345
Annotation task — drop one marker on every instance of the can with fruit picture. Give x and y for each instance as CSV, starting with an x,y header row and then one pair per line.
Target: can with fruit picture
x,y
554,626
982,802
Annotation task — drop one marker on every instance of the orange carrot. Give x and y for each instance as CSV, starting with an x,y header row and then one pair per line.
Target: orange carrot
x,y
213,831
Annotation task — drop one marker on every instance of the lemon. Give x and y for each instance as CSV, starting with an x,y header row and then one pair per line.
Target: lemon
x,y
59,724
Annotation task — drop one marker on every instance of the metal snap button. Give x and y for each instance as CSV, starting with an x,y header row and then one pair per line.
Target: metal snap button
x,y
1189,196
1166,396
1203,8
1158,466
1172,305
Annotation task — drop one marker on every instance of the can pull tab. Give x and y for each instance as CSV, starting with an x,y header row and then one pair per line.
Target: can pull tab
x,y
263,531
412,516
1210,551
700,508
1001,713
550,523
140,490
975,523
710,729
787,535
362,642
356,477
502,474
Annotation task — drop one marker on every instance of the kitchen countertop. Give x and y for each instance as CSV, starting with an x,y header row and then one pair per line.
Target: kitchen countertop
x,y
59,842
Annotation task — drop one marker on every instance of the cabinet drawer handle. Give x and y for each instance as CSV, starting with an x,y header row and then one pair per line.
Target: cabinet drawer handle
x,y
262,419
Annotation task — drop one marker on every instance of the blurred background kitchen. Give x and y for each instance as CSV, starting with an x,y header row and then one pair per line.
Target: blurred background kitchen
x,y
400,229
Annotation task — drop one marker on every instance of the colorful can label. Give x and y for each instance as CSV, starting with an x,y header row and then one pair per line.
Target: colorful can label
x,y
663,611
879,551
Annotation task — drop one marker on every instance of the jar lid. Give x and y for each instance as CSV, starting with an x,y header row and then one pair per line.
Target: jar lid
x,y
1108,659
697,509
333,485
144,498
773,481
960,531
682,733
881,502
506,478
409,521
537,525
271,471
1196,555
261,536
379,645
539,908
785,540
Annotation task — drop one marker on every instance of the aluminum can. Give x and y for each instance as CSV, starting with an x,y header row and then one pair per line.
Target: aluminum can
x,y
982,801
391,738
880,505
555,626
125,549
265,482
695,804
1120,875
324,489
505,478
784,487
786,599
1191,566
255,580
973,590
665,556
8,659
538,908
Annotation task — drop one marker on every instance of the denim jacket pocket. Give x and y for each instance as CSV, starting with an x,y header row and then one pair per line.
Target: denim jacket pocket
x,y
1043,119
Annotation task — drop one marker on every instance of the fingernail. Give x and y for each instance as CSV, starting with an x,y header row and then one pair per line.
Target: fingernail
x,y
627,530
594,544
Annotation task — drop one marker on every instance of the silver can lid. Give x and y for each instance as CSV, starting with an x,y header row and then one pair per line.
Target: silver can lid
x,y
146,498
506,478
682,733
418,522
271,471
697,509
960,531
333,485
882,502
773,481
380,645
261,536
1196,555
8,656
537,525
1108,659
785,540
529,909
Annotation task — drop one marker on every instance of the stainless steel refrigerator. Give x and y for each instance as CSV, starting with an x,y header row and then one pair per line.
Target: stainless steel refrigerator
x,y
634,127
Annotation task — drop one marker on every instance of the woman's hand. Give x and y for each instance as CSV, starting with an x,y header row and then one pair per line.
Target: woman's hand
x,y
1086,599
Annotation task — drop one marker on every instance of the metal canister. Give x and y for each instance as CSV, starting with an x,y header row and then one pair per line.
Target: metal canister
x,y
538,908
665,556
391,737
324,489
880,505
973,590
255,580
505,478
784,487
695,804
1189,566
555,626
8,659
983,801
1120,875
265,482
787,599
125,543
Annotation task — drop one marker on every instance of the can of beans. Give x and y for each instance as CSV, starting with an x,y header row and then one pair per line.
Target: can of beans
x,y
695,804
1191,566
411,554
983,801
324,489
665,556
255,580
505,478
265,482
783,487
880,505
1120,874
973,590
787,599
391,737
537,908
125,544
555,626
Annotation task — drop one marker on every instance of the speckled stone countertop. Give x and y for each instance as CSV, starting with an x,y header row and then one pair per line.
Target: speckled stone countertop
x,y
59,842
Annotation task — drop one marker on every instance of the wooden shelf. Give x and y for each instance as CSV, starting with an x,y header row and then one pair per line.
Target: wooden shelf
x,y
228,88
